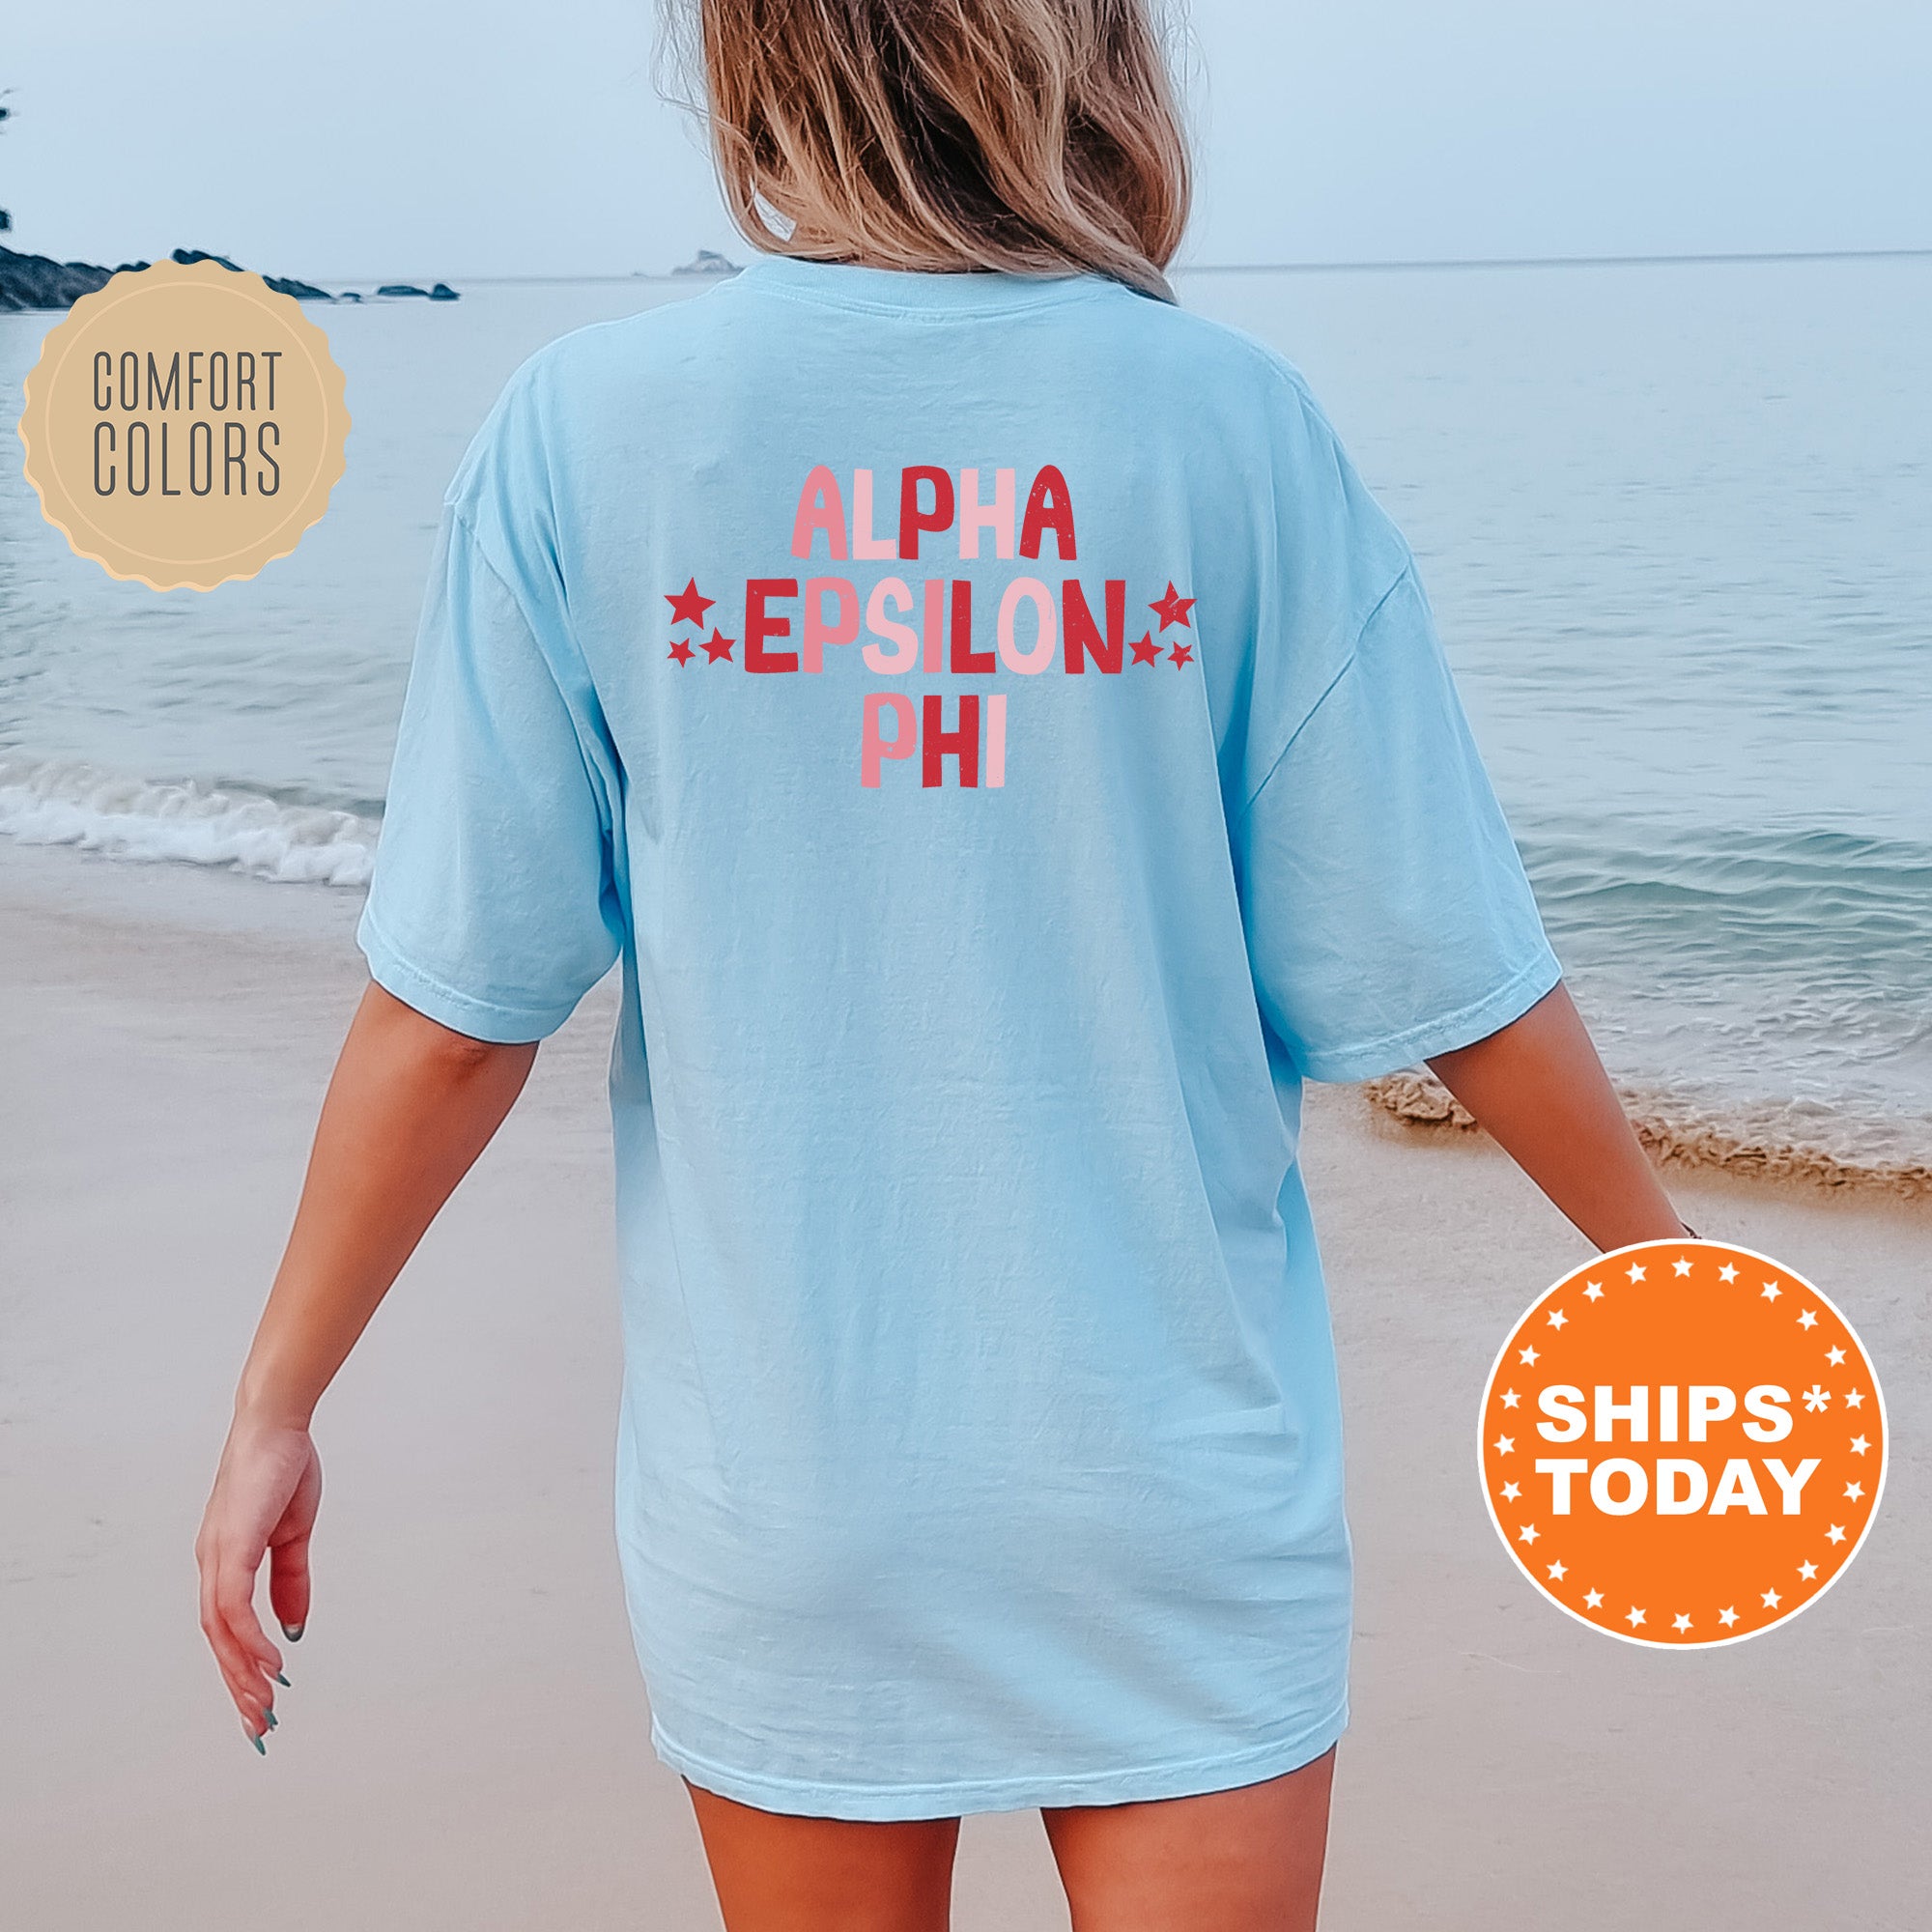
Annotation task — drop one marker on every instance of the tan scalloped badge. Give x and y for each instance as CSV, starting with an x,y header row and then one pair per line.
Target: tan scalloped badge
x,y
183,425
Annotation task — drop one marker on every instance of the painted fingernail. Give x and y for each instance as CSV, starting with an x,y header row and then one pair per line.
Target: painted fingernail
x,y
293,1632
254,1737
272,1720
282,1681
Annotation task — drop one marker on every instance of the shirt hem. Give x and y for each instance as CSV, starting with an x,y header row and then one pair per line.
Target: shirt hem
x,y
1489,1014
461,1012
1187,1778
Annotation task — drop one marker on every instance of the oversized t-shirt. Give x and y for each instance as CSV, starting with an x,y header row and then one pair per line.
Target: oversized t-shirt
x,y
1006,749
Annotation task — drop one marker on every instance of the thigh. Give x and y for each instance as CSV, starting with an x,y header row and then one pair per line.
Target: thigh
x,y
779,1873
1243,1860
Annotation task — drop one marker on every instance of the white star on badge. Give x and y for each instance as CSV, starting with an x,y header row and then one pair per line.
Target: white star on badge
x,y
1527,1357
1727,1616
1510,1493
1511,1398
1808,1571
1808,1319
1854,1399
1835,1534
1859,1445
1836,1356
1679,1266
1634,1271
1505,1445
1771,1290
1594,1292
1728,1272
1634,1618
1557,1317
1593,1599
1557,1572
1680,1622
1528,1533
1853,1490
1771,1599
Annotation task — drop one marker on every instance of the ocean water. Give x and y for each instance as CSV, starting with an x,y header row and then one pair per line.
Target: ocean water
x,y
1676,523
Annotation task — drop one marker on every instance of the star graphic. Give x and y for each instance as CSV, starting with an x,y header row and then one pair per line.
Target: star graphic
x,y
1859,1445
1680,1622
1816,1397
681,651
1853,1490
1836,1356
1808,1571
1771,1599
1727,1616
1808,1319
1593,1599
1634,1617
1771,1290
687,606
1173,608
1594,1292
1835,1534
1679,1266
1557,1572
1511,1398
1728,1272
1510,1493
1634,1271
1526,1356
1182,653
1854,1399
718,645
1146,650
1528,1533
1505,1445
1557,1317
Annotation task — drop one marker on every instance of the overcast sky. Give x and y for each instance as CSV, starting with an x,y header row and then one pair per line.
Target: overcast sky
x,y
474,137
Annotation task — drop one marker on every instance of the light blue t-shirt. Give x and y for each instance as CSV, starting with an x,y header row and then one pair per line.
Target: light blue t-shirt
x,y
1006,748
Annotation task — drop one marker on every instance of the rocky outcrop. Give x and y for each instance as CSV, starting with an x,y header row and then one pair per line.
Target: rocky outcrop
x,y
38,281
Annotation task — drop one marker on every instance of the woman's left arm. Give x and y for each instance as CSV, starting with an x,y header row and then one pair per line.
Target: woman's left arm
x,y
1541,1092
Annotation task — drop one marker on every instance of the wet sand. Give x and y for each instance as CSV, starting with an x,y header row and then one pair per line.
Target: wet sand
x,y
463,1744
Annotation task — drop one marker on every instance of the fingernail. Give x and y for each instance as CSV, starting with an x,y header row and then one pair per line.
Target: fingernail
x,y
273,1720
282,1681
293,1632
253,1737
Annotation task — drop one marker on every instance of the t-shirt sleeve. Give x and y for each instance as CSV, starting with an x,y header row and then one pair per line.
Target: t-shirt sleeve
x,y
493,907
1387,910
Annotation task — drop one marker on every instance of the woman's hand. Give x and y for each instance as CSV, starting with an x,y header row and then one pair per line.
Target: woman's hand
x,y
266,1494
409,1108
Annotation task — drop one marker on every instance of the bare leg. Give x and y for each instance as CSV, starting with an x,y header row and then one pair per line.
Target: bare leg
x,y
1243,1860
775,1874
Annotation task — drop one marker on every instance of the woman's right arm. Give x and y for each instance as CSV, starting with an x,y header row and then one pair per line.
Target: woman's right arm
x,y
409,1107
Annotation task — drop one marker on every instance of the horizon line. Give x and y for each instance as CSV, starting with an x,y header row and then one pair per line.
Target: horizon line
x,y
1400,265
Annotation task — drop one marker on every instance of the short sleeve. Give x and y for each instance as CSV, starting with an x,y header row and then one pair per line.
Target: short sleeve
x,y
1388,915
493,908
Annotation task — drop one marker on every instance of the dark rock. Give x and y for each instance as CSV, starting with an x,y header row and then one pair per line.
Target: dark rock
x,y
37,281
401,289
443,292
707,262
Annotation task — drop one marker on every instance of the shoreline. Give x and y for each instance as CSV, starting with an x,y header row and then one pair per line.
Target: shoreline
x,y
465,1708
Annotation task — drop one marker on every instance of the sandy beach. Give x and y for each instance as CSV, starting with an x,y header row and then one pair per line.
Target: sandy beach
x,y
463,1742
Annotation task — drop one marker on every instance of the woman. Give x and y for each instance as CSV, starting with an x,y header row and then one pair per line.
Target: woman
x,y
1007,750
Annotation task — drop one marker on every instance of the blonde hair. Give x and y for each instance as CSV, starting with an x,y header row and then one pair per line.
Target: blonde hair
x,y
1037,137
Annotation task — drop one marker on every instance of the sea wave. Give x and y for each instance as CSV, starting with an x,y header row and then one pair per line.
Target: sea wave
x,y
66,802
1768,1140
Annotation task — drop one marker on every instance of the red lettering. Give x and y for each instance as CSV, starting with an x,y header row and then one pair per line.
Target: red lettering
x,y
964,656
912,519
1077,630
760,624
962,744
1049,508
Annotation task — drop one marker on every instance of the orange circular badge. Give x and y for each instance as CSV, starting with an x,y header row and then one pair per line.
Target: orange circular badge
x,y
1683,1444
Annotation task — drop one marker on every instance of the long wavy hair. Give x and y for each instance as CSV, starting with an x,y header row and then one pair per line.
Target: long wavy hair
x,y
1037,137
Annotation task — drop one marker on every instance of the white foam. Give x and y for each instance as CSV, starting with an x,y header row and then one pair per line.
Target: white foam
x,y
56,802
